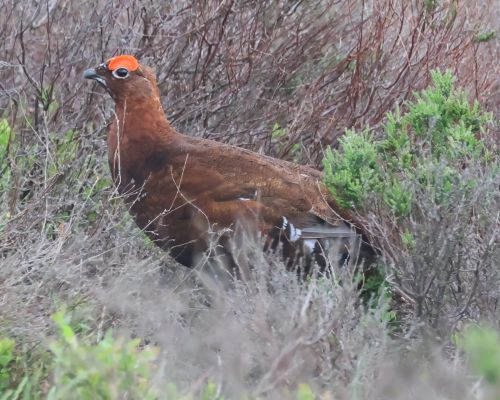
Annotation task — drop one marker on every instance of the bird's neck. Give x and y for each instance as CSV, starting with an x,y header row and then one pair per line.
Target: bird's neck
x,y
142,122
139,136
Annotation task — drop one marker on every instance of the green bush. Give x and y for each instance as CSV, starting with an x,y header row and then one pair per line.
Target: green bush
x,y
110,369
73,367
20,375
6,138
425,147
352,174
481,346
6,358
429,178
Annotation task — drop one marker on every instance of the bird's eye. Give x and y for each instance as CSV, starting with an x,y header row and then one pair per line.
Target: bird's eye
x,y
120,73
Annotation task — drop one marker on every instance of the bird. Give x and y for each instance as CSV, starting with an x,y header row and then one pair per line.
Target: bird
x,y
191,195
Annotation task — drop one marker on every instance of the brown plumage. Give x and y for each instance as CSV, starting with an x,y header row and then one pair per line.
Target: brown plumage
x,y
182,189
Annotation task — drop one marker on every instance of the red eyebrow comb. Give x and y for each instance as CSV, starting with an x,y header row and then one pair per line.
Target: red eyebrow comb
x,y
124,61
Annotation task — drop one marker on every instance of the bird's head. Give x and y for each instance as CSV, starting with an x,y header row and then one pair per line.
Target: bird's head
x,y
124,78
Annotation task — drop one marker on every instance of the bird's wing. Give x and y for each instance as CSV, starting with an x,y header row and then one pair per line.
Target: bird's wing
x,y
228,178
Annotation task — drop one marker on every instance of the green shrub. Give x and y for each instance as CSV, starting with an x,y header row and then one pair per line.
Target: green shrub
x,y
6,358
481,346
427,177
20,374
111,369
6,138
351,175
304,392
426,147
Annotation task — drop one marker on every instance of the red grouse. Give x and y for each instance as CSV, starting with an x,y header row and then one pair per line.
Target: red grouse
x,y
185,191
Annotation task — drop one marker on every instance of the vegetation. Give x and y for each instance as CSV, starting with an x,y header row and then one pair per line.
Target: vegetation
x,y
90,309
432,164
427,148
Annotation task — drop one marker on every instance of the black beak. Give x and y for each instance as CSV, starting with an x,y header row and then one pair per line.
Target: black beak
x,y
91,73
